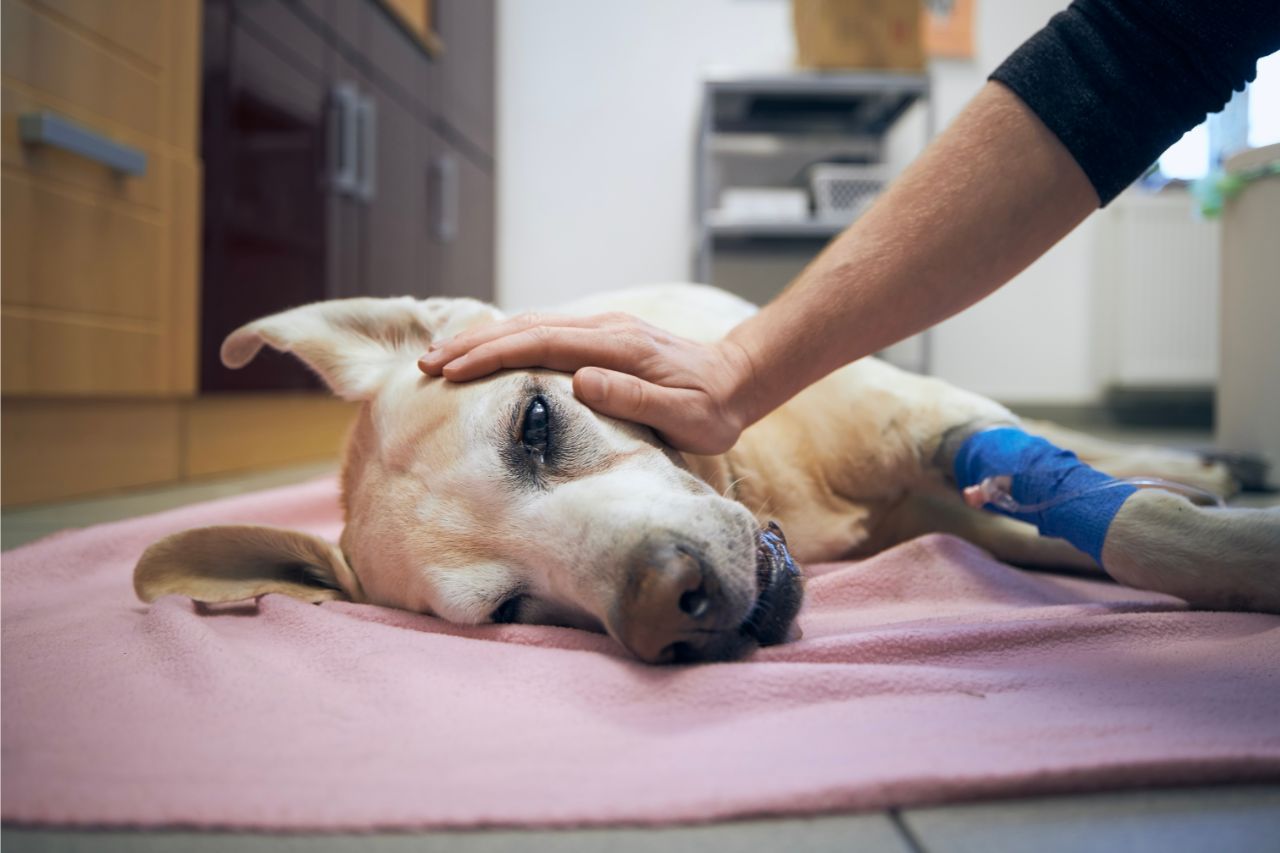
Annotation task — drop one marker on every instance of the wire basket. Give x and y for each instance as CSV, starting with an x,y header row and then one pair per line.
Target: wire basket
x,y
842,191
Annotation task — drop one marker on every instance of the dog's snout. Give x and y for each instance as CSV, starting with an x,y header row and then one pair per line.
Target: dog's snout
x,y
672,605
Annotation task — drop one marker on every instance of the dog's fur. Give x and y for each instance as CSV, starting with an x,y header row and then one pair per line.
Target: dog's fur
x,y
449,512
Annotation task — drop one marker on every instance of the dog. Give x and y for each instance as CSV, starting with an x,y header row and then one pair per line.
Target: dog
x,y
506,500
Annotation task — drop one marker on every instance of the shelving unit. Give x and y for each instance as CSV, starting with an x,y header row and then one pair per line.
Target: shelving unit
x,y
765,132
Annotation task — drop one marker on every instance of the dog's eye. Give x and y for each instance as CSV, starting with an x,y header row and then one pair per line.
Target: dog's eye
x,y
537,427
508,611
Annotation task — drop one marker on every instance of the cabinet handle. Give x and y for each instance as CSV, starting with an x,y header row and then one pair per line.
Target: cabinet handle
x,y
343,137
446,173
367,119
46,128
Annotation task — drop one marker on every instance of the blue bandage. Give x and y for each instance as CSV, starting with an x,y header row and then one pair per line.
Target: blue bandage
x,y
1040,473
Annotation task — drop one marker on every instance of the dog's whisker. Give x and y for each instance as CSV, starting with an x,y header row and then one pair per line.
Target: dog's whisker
x,y
729,488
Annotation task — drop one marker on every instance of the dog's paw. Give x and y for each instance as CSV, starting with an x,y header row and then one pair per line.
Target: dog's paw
x,y
1214,477
1248,469
1178,466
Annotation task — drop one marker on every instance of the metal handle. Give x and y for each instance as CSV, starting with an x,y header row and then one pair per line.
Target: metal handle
x,y
343,137
367,119
446,173
46,128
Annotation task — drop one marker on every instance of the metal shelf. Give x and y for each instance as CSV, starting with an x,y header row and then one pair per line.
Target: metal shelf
x,y
822,82
856,104
807,230
773,145
767,131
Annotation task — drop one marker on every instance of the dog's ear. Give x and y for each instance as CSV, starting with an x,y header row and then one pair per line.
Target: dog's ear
x,y
352,342
236,562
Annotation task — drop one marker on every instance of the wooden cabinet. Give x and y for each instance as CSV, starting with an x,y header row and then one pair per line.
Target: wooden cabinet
x,y
467,71
462,215
99,265
258,193
344,159
264,113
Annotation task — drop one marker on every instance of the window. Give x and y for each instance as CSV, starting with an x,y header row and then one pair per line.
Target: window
x,y
1264,103
1250,119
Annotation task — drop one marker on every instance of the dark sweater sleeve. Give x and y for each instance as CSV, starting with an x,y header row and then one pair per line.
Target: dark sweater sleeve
x,y
1119,81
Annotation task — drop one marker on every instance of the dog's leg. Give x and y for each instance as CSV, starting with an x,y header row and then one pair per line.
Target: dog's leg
x,y
1218,559
1007,539
1151,539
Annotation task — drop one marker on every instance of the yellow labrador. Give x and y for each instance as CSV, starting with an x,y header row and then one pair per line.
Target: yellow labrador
x,y
506,500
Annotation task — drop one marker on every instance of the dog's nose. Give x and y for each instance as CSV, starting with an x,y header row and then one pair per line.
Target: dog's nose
x,y
671,604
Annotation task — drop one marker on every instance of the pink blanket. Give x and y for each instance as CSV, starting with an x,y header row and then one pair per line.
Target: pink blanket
x,y
930,673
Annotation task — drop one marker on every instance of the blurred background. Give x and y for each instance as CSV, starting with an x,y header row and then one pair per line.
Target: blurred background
x,y
175,168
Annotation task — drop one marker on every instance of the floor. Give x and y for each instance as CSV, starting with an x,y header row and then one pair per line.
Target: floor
x,y
26,524
1227,818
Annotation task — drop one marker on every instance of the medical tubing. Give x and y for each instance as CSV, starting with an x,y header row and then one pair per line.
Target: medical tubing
x,y
999,496
1036,472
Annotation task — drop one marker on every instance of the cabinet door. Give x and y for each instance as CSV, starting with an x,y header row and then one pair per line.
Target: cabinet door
x,y
99,261
466,69
345,213
462,223
397,248
400,63
265,131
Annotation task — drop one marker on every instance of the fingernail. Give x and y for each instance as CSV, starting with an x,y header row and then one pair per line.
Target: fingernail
x,y
592,383
457,364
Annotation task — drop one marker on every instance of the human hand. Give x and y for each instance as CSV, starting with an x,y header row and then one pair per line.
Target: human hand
x,y
696,395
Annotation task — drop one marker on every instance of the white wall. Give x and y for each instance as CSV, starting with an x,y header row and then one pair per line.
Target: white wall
x,y
597,108
1029,341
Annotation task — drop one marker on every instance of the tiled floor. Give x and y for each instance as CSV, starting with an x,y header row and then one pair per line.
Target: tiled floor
x,y
26,524
1170,821
1232,818
1222,820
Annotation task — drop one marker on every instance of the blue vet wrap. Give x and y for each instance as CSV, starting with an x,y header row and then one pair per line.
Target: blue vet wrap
x,y
1042,472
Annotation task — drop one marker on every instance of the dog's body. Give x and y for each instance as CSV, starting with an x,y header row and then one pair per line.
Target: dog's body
x,y
506,499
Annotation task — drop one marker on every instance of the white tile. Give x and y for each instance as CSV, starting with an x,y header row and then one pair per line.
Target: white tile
x,y
872,833
1220,819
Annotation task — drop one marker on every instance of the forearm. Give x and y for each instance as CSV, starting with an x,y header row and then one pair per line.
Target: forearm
x,y
989,196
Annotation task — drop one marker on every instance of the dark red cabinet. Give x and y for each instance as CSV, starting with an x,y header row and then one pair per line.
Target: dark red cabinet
x,y
341,159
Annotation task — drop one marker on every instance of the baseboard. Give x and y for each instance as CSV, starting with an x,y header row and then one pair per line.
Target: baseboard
x,y
1073,415
55,449
1162,407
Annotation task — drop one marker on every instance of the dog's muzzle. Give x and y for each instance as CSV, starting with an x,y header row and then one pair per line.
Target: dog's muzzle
x,y
675,609
780,589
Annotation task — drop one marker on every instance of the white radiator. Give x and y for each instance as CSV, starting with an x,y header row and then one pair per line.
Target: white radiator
x,y
1158,294
1248,414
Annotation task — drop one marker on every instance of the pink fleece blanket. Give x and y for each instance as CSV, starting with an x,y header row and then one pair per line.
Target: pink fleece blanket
x,y
927,674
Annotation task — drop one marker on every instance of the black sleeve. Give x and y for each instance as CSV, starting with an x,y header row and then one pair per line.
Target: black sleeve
x,y
1119,81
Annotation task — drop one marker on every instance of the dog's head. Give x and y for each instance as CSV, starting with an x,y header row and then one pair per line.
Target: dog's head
x,y
500,500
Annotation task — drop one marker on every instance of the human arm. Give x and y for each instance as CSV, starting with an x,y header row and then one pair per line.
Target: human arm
x,y
971,212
